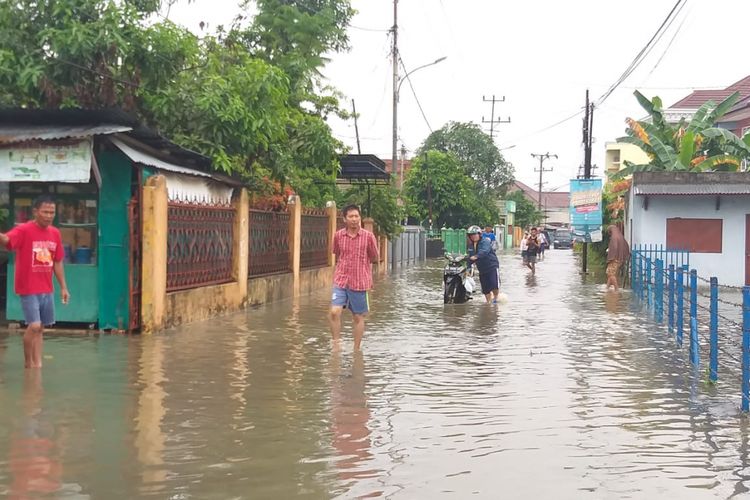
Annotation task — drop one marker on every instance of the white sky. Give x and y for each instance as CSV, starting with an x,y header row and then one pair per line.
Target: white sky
x,y
541,55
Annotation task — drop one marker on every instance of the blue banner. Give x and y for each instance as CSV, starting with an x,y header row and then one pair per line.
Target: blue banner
x,y
585,202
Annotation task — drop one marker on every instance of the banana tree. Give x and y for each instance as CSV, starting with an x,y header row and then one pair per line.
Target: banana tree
x,y
696,146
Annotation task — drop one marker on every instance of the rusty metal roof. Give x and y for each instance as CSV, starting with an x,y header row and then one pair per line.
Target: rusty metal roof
x,y
10,134
691,189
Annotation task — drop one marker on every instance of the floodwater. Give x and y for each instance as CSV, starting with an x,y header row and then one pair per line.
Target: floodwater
x,y
563,392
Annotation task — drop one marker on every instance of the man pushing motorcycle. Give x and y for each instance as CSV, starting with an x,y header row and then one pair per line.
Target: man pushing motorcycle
x,y
483,256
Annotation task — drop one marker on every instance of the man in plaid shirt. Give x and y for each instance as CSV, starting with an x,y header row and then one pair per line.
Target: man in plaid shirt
x,y
355,250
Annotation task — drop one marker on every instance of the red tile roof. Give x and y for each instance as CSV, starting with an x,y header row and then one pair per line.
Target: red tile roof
x,y
700,97
407,166
550,199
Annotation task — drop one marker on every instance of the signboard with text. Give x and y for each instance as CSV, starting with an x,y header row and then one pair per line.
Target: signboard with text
x,y
46,162
586,208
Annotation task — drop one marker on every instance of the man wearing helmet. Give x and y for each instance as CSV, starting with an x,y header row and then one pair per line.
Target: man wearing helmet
x,y
483,256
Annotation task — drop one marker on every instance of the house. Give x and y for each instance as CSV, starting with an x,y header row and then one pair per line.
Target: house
x,y
617,153
707,213
688,105
554,204
402,170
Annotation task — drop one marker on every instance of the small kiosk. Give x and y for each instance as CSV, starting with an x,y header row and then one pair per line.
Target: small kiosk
x,y
73,155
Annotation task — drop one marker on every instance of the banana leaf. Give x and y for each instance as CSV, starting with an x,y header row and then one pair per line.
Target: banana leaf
x,y
687,149
630,168
723,107
653,108
712,163
635,141
743,148
664,133
664,153
700,120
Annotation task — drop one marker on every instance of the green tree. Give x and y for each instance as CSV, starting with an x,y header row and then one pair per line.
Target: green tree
x,y
477,154
383,206
437,179
250,97
527,213
695,146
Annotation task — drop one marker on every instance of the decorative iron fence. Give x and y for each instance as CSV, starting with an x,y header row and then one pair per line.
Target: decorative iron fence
x,y
269,243
716,321
340,224
200,245
314,244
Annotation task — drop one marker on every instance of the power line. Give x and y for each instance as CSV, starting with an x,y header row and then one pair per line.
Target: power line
x,y
643,52
669,45
408,79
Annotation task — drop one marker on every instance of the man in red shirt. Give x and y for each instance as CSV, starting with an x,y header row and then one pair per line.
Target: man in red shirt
x,y
355,250
39,253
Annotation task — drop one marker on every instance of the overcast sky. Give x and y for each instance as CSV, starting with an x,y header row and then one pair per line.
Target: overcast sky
x,y
541,55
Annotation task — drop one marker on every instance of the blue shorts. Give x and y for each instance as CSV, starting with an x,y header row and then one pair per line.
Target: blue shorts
x,y
357,302
39,308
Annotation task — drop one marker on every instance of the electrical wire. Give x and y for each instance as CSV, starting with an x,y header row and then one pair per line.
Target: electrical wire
x,y
408,79
643,52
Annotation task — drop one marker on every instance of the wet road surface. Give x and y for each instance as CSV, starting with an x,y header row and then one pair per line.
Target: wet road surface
x,y
563,392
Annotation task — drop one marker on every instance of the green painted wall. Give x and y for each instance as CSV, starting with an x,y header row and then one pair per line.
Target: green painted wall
x,y
114,240
83,285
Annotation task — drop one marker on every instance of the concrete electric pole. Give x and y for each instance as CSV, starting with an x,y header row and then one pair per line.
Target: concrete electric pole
x,y
541,170
492,120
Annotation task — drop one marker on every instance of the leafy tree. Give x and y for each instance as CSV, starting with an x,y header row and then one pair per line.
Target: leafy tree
x,y
476,152
383,206
527,213
695,146
250,97
437,178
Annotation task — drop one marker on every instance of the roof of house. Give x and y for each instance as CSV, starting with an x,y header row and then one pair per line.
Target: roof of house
x,y
388,166
699,97
550,199
691,183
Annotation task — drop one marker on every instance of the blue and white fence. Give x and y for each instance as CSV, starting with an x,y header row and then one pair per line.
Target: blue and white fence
x,y
662,277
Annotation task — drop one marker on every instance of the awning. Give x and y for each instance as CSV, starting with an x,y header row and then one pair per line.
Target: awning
x,y
151,161
11,134
691,189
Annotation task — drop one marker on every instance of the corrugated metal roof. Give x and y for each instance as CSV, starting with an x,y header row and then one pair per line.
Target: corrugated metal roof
x,y
10,134
147,159
691,189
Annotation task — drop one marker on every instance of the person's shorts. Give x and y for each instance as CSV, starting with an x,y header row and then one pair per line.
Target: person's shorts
x,y
531,258
613,267
39,308
489,281
357,302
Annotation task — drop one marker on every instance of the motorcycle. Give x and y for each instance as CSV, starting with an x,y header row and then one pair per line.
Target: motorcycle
x,y
457,284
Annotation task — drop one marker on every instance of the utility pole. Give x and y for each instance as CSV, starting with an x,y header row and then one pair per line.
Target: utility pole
x,y
356,128
394,54
492,120
588,125
429,189
541,170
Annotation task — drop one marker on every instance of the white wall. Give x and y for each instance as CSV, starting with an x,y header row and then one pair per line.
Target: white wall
x,y
650,227
557,215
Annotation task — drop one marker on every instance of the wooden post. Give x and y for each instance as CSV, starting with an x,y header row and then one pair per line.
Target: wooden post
x,y
295,239
241,240
154,229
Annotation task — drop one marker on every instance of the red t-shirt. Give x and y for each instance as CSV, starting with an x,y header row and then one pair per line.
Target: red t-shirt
x,y
36,250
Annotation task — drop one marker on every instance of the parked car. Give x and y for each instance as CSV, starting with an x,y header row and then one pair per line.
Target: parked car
x,y
562,239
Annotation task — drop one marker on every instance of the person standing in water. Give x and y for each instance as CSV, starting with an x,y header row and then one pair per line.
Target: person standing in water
x,y
618,253
482,254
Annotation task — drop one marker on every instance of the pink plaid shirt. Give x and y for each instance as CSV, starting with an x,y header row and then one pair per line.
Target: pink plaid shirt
x,y
354,257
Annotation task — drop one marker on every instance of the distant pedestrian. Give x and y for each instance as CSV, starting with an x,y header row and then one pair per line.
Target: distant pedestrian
x,y
525,248
490,233
355,250
532,249
39,254
482,255
543,243
618,253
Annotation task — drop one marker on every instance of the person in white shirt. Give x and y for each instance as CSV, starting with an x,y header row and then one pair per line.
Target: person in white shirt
x,y
525,248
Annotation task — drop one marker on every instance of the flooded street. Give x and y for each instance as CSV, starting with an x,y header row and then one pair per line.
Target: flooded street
x,y
563,392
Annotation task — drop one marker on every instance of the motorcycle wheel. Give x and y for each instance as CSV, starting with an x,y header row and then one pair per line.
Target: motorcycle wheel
x,y
450,292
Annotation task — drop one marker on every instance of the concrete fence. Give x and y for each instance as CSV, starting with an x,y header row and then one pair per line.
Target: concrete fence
x,y
309,267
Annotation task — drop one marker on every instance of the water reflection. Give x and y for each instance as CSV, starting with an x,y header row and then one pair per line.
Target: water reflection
x,y
562,392
149,438
34,460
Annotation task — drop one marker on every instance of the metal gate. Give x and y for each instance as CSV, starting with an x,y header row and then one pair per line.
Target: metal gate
x,y
134,218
